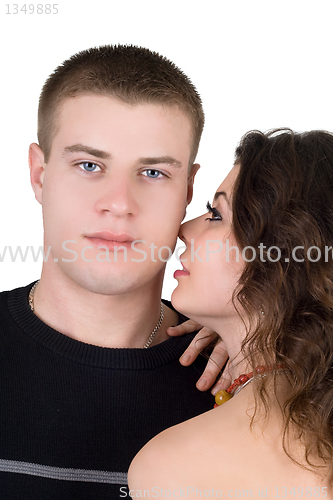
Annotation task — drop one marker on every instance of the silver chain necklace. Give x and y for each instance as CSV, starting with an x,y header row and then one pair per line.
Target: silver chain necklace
x,y
150,338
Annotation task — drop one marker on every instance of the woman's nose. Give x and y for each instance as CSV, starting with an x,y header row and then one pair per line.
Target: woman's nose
x,y
188,231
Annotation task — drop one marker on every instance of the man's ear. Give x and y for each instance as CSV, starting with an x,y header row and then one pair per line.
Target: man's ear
x,y
195,167
37,169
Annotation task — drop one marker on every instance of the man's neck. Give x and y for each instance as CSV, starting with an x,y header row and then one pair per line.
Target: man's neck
x,y
117,321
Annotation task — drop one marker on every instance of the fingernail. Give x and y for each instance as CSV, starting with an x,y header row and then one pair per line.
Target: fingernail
x,y
202,383
186,358
214,391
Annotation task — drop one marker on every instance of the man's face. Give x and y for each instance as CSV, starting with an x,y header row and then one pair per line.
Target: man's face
x,y
116,174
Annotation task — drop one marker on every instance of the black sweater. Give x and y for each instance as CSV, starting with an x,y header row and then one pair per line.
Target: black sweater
x,y
73,415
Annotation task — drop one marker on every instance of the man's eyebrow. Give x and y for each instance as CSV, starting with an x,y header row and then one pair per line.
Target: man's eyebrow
x,y
81,148
221,193
151,160
156,160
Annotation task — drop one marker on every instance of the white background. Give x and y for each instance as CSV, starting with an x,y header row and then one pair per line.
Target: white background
x,y
257,65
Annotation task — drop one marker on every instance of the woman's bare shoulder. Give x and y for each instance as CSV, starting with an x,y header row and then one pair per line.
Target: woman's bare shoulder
x,y
218,451
173,458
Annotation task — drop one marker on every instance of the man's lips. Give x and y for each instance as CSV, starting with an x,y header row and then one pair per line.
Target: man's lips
x,y
110,240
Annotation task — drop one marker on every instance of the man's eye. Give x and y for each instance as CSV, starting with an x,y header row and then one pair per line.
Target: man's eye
x,y
152,173
88,166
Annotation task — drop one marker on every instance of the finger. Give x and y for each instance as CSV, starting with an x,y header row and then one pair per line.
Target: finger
x,y
188,326
200,342
217,360
224,381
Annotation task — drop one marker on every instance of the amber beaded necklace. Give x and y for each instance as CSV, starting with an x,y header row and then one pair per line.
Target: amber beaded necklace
x,y
243,380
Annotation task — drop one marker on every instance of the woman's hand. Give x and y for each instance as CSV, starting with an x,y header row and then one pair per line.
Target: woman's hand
x,y
217,360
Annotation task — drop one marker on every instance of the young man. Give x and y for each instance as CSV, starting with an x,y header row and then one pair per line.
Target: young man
x,y
118,131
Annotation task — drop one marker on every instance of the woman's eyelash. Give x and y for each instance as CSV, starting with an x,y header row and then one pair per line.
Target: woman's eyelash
x,y
215,213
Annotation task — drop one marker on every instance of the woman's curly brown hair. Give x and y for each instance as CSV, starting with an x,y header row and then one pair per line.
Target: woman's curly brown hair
x,y
283,201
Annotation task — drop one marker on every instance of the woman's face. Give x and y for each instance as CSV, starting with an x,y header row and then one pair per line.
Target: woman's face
x,y
211,266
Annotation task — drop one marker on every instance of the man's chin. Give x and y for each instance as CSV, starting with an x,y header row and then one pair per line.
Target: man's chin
x,y
105,284
110,280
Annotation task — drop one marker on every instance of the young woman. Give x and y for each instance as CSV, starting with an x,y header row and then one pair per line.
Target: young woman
x,y
264,282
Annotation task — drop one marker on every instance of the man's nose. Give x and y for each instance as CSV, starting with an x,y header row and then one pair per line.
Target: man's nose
x,y
118,198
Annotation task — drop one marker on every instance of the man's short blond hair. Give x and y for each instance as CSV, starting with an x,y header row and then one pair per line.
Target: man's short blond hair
x,y
131,74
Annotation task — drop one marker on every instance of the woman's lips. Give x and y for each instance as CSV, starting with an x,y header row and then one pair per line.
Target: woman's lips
x,y
181,272
110,240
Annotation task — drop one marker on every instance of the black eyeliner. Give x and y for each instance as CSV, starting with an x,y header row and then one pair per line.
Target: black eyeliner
x,y
215,213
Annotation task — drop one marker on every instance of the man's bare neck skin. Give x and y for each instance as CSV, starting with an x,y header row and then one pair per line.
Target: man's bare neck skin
x,y
121,321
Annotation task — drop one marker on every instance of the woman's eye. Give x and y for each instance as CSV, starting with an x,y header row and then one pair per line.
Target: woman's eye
x,y
89,166
215,213
152,173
